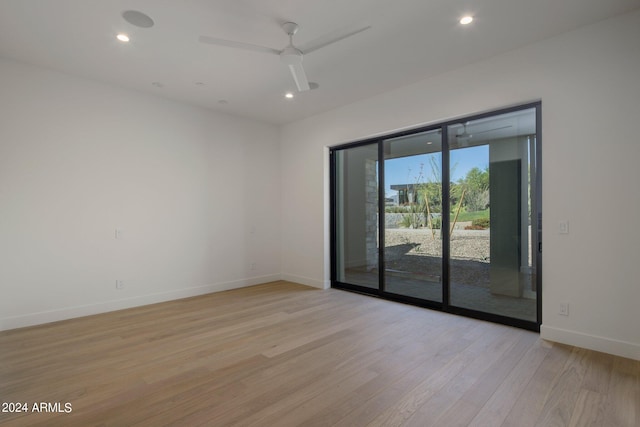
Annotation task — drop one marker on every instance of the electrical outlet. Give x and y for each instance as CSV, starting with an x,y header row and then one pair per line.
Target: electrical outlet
x,y
119,234
119,284
563,227
564,309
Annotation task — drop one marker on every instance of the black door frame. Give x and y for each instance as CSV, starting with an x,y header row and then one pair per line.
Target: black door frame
x,y
536,218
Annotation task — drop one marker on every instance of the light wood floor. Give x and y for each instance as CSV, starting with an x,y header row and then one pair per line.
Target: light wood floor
x,y
281,354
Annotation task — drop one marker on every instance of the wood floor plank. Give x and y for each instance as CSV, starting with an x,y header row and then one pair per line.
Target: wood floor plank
x,y
403,370
530,402
476,397
282,354
623,400
498,406
464,366
598,375
564,390
589,410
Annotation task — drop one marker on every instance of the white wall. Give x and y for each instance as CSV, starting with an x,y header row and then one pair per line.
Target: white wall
x,y
79,159
588,81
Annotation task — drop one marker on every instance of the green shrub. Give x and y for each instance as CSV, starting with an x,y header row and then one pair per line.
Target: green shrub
x,y
480,223
436,223
396,209
406,221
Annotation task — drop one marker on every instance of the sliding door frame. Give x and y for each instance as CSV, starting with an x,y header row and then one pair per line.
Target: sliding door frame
x,y
536,220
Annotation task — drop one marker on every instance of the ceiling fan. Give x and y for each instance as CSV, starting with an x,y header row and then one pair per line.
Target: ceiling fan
x,y
466,135
290,55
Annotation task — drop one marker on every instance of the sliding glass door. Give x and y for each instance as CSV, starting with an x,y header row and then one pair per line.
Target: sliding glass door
x,y
446,216
413,209
491,198
356,216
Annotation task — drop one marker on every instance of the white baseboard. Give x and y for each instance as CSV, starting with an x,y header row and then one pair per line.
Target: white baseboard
x,y
320,284
42,317
592,342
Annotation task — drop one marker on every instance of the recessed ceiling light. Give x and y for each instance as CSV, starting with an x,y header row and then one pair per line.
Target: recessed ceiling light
x,y
466,20
123,37
288,95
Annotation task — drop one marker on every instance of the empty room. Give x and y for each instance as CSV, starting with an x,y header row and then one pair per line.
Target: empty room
x,y
279,213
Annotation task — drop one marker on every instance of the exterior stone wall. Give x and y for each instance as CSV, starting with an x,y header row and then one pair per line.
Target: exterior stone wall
x,y
391,220
371,214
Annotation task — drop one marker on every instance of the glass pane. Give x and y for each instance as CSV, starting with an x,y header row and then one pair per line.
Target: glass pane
x,y
357,215
490,200
413,205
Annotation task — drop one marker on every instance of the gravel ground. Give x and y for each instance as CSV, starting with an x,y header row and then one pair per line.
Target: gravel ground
x,y
465,244
418,251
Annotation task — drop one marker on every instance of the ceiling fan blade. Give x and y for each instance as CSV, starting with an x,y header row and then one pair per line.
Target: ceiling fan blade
x,y
329,39
491,130
239,45
299,76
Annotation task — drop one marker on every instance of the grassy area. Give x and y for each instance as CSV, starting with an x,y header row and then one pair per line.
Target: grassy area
x,y
470,216
462,217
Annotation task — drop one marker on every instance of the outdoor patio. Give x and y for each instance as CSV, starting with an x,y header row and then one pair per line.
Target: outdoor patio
x,y
413,268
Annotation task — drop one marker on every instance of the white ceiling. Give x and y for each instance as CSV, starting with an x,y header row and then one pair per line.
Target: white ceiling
x,y
409,40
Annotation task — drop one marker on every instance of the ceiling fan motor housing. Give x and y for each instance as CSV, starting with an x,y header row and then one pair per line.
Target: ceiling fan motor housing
x,y
290,28
291,56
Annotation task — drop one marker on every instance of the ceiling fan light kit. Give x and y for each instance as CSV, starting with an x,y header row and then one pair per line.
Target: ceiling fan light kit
x,y
290,55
